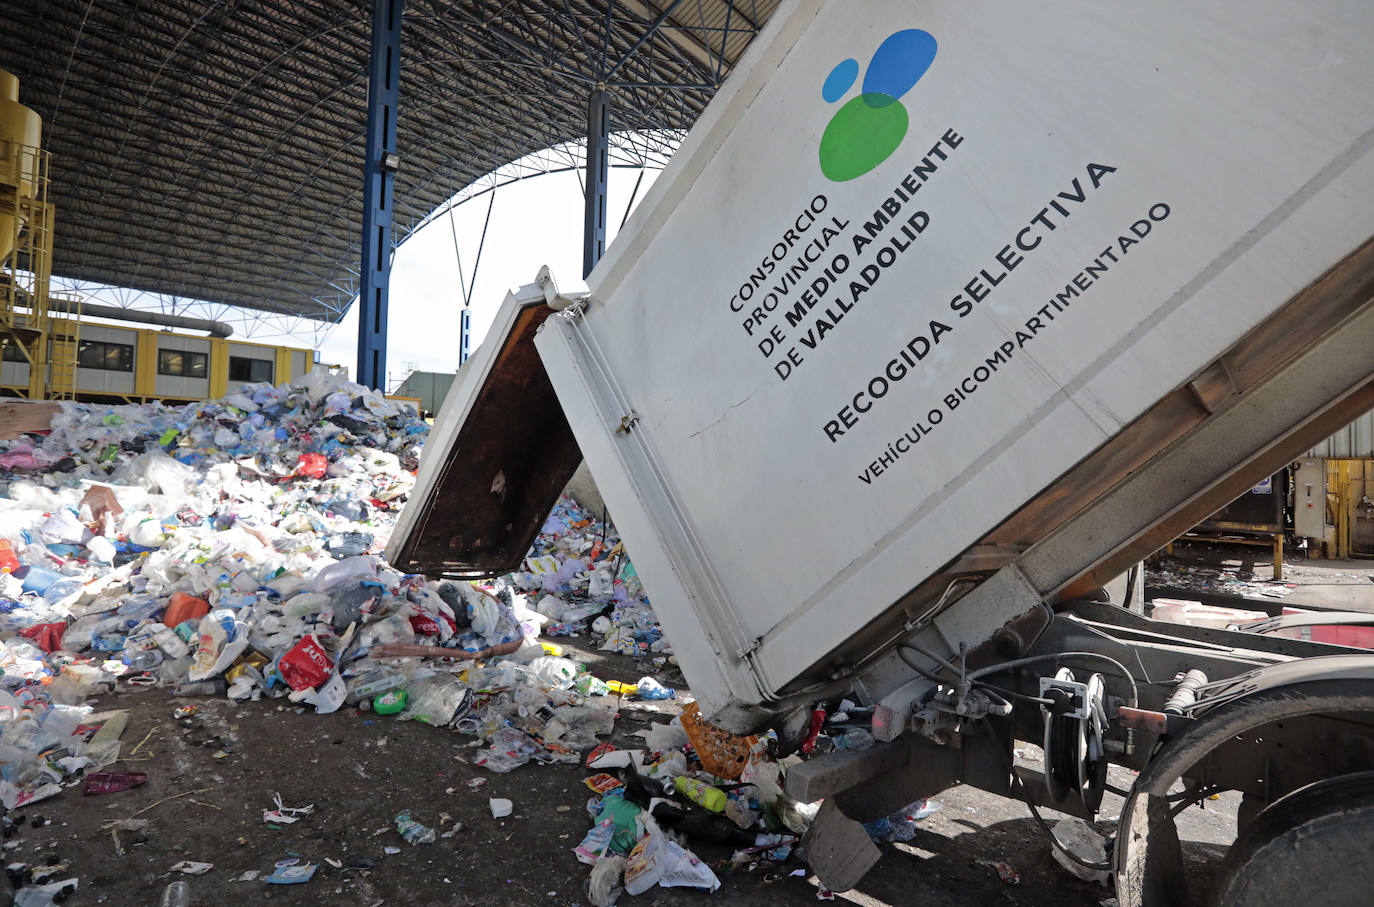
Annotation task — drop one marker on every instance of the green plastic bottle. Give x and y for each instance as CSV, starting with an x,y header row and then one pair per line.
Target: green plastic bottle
x,y
393,701
701,793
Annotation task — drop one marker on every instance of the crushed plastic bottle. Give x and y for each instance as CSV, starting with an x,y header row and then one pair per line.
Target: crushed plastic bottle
x,y
145,660
413,832
177,894
649,688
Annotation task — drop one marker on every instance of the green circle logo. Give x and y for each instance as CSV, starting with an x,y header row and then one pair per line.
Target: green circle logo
x,y
868,128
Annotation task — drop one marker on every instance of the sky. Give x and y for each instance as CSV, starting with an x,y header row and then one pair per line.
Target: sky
x,y
534,222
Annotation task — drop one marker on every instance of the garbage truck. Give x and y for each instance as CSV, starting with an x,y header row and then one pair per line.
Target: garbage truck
x,y
942,316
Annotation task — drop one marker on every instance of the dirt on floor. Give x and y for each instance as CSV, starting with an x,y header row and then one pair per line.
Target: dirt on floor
x,y
213,774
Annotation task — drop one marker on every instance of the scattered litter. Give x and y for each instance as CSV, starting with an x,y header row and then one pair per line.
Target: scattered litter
x,y
500,807
111,782
285,815
192,868
415,833
292,872
176,894
901,825
1005,872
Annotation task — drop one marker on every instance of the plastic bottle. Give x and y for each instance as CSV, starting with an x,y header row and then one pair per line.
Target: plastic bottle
x,y
37,579
390,702
9,562
413,831
214,687
375,682
40,895
145,660
170,642
854,739
649,688
701,793
177,894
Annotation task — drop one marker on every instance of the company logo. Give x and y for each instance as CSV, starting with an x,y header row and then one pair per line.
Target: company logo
x,y
867,129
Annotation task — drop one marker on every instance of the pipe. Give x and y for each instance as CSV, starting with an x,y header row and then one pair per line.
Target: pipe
x,y
118,313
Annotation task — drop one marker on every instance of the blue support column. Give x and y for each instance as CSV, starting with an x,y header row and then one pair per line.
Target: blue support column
x,y
383,95
598,160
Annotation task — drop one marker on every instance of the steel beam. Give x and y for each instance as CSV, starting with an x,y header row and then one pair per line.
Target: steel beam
x,y
383,96
598,153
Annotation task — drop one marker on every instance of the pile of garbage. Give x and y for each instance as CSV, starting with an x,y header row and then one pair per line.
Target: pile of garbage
x,y
232,548
212,547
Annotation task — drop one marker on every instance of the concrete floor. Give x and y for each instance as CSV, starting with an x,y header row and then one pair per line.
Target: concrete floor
x,y
1247,572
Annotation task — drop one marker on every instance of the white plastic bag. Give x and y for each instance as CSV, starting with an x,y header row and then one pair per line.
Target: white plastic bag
x,y
223,638
550,672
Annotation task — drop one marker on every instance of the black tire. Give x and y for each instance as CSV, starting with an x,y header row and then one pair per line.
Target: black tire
x,y
1312,847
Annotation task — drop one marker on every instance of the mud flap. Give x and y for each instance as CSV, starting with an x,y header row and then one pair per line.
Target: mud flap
x,y
839,849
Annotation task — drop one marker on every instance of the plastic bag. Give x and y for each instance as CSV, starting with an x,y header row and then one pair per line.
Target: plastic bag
x,y
647,862
623,816
579,726
661,738
684,869
47,636
603,885
438,699
306,665
348,572
550,672
311,466
223,638
597,841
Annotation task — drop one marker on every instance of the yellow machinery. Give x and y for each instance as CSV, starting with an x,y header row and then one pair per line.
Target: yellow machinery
x,y
1350,506
26,232
46,329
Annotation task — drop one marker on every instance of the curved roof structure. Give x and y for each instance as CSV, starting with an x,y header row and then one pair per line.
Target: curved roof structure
x,y
213,149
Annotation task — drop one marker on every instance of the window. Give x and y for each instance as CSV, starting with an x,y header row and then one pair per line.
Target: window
x,y
112,357
182,363
241,368
13,353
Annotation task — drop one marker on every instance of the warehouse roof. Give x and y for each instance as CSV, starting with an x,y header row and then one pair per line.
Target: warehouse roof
x,y
213,149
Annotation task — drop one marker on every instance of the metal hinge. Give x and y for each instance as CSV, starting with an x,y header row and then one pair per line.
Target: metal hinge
x,y
627,422
749,648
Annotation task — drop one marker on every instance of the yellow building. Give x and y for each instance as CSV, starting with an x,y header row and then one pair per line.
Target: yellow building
x,y
128,364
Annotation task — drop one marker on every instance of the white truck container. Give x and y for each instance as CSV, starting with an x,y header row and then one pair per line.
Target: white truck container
x,y
941,316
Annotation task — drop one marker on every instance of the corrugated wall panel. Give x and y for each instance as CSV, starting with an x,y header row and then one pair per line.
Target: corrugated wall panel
x,y
1355,440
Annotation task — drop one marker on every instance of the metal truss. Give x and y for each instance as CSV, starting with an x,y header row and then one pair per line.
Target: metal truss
x,y
628,151
211,150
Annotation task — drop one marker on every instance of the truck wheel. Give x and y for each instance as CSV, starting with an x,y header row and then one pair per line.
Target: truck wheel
x,y
1310,847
